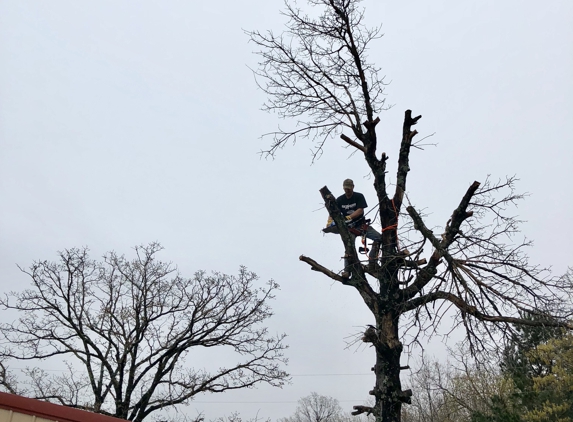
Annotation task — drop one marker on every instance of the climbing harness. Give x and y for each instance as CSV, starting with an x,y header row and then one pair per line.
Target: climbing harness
x,y
360,227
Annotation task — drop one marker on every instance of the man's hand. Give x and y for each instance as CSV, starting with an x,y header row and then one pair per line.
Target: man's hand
x,y
356,214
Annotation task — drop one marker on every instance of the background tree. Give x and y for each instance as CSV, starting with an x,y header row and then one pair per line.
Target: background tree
x,y
528,381
317,75
454,391
555,387
521,363
129,326
317,408
236,417
535,361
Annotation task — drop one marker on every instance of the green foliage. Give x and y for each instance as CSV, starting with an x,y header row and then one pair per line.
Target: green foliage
x,y
537,361
518,363
554,388
537,388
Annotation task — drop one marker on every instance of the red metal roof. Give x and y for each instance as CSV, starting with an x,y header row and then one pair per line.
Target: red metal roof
x,y
47,410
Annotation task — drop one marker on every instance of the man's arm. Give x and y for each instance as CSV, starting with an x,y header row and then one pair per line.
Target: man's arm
x,y
361,204
359,212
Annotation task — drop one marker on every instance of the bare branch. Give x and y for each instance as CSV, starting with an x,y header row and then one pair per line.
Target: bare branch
x,y
317,267
317,72
130,325
351,142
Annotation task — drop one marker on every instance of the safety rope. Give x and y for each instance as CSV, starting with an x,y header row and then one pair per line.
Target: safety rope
x,y
364,228
393,226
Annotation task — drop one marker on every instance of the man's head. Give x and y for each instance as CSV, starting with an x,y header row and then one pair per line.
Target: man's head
x,y
348,186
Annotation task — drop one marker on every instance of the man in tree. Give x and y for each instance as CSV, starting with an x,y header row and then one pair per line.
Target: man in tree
x,y
352,206
317,75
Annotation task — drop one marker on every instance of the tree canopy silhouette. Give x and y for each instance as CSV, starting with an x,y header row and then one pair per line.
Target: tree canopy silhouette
x,y
126,329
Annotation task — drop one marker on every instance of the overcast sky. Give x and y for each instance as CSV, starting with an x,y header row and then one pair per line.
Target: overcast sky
x,y
125,122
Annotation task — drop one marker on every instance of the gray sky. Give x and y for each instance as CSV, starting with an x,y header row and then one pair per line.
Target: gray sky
x,y
127,122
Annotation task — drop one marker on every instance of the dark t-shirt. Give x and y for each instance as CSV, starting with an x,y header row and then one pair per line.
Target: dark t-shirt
x,y
349,205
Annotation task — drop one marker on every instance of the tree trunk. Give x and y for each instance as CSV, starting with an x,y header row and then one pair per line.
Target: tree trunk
x,y
388,388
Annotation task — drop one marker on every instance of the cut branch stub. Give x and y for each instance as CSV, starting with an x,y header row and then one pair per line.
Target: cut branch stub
x,y
351,142
369,125
358,410
405,396
404,157
459,215
317,267
409,121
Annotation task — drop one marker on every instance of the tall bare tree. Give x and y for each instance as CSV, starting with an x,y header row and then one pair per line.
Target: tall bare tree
x,y
318,77
130,325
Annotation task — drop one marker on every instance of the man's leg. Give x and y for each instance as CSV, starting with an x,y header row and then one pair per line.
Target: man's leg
x,y
375,249
347,264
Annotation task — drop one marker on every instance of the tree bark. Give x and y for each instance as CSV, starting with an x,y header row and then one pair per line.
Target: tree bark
x,y
388,388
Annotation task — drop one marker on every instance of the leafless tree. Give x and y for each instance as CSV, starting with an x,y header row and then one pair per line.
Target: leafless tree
x,y
454,391
130,325
317,75
317,408
236,417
